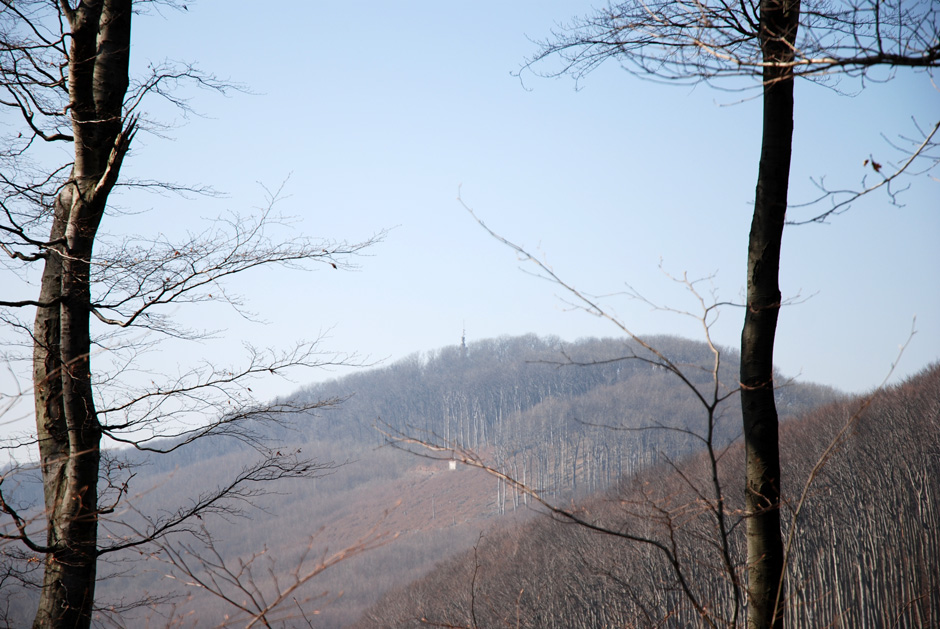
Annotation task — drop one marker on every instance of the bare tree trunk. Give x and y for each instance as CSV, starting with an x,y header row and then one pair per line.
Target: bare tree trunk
x,y
778,24
66,419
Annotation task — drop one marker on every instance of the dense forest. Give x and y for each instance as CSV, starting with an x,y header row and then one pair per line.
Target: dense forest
x,y
569,419
863,544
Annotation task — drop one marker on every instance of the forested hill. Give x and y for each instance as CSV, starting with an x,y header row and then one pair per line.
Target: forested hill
x,y
528,395
521,404
861,488
571,415
568,412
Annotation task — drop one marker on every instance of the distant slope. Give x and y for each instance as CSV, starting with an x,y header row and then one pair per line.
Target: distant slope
x,y
508,399
571,428
864,551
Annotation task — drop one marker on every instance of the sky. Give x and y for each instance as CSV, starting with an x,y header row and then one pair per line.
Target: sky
x,y
378,117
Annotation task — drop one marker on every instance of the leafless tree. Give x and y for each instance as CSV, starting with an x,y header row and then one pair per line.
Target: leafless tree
x,y
775,42
64,81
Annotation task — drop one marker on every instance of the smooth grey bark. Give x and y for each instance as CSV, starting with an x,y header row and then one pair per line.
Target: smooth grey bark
x,y
779,20
66,420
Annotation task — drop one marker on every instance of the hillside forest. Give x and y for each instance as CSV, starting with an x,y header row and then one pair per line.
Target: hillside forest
x,y
863,540
613,441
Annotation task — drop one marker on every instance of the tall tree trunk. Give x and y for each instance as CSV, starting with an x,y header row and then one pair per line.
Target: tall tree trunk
x,y
66,421
778,24
68,432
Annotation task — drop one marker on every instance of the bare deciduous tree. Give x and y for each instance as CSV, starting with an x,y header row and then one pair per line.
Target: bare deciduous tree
x,y
64,76
774,41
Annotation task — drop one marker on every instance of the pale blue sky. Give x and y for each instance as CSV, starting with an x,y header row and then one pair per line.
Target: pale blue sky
x,y
379,112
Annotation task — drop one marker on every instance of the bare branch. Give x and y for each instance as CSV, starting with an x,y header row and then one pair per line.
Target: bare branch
x,y
838,207
693,41
204,567
251,482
